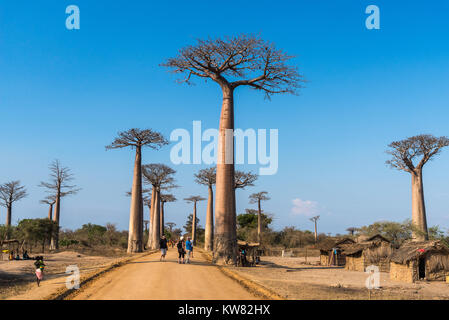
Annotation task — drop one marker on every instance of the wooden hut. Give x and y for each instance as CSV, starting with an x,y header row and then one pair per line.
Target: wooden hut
x,y
375,250
331,253
423,260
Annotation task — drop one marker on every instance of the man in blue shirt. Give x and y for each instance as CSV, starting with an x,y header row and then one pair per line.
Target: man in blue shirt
x,y
189,249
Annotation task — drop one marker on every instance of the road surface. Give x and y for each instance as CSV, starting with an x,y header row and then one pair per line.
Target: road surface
x,y
147,278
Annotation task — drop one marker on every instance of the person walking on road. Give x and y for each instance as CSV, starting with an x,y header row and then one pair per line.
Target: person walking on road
x,y
189,249
164,247
39,269
181,251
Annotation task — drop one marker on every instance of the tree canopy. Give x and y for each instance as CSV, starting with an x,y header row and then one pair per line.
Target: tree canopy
x,y
206,176
138,138
236,61
11,192
414,152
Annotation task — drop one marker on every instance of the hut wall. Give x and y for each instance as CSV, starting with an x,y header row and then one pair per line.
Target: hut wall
x,y
440,273
403,272
324,258
384,265
355,263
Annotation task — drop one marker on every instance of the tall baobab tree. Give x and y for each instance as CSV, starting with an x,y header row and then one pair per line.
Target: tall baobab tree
x,y
159,176
233,62
194,200
11,192
137,139
164,199
207,177
258,198
411,155
58,187
50,201
314,220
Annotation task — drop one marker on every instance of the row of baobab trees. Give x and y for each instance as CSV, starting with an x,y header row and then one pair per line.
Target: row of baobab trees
x,y
57,187
232,63
160,178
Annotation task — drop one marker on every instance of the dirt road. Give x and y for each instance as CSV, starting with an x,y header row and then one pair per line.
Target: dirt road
x,y
147,278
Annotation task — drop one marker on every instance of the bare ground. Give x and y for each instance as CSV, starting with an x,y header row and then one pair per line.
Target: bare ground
x,y
294,279
17,279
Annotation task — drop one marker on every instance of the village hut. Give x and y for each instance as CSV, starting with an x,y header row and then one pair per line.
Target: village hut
x,y
331,253
375,250
249,253
413,261
8,246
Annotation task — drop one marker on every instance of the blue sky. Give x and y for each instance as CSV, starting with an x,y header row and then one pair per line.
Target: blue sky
x,y
66,93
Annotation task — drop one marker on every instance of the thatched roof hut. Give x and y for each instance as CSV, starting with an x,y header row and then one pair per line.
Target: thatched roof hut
x,y
415,260
331,252
249,253
374,250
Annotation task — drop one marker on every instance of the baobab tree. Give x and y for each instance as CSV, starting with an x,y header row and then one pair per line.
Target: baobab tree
x,y
59,188
244,179
50,201
314,220
194,200
170,226
233,62
411,155
159,176
351,230
11,192
164,199
137,139
207,177
258,198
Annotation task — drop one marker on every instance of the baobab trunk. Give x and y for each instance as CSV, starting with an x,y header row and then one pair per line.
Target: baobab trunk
x,y
209,231
152,208
316,234
8,215
156,236
8,220
50,211
259,222
54,243
419,219
225,242
194,224
135,217
162,218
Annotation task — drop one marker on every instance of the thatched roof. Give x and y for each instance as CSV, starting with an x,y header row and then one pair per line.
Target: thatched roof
x,y
327,246
376,237
411,250
351,249
247,244
368,243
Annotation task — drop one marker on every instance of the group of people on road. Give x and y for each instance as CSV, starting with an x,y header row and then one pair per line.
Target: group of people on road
x,y
185,249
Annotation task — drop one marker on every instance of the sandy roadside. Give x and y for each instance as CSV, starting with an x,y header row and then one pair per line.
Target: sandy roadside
x,y
54,282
